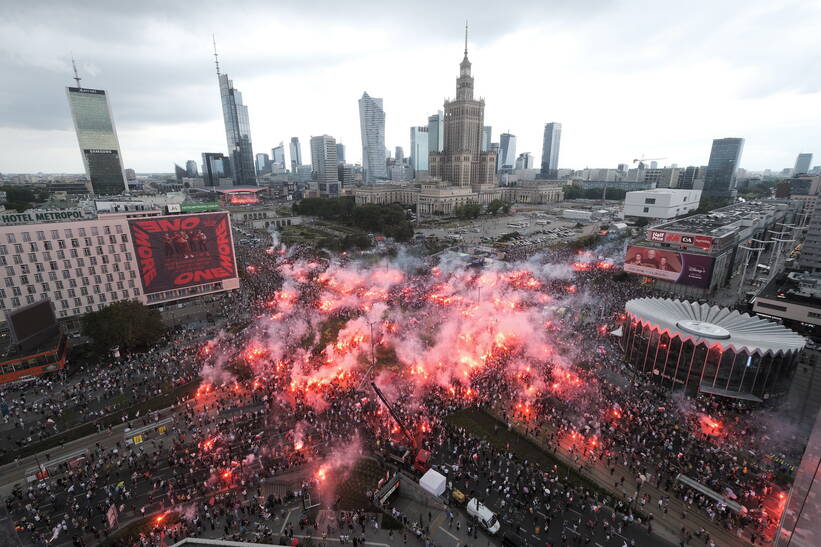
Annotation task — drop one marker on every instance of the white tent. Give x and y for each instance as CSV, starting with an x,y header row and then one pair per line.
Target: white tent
x,y
433,482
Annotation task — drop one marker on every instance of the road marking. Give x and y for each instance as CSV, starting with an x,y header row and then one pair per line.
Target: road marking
x,y
572,530
287,518
451,535
569,509
337,540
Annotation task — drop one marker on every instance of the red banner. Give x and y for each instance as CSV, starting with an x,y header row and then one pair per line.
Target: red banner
x,y
180,251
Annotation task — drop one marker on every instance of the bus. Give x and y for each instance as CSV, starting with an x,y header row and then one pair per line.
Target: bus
x,y
49,357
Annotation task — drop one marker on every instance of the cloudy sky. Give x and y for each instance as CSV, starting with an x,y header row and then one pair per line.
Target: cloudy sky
x,y
625,78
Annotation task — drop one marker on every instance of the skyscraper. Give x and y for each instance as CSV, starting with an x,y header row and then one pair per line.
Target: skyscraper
x,y
237,130
550,150
462,161
340,152
494,149
486,137
179,173
507,151
296,154
802,164
97,137
191,168
719,177
324,163
215,166
524,161
263,162
372,129
436,132
400,154
278,156
419,148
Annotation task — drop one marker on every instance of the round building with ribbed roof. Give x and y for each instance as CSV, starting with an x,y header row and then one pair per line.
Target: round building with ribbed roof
x,y
709,349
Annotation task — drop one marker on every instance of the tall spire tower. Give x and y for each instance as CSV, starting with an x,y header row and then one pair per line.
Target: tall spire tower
x,y
216,57
76,76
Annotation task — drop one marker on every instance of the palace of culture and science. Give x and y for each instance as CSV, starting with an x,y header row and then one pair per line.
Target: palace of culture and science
x,y
461,173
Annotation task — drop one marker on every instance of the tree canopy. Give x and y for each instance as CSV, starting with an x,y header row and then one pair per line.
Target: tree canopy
x,y
127,324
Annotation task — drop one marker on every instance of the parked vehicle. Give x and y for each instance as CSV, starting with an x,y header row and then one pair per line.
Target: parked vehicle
x,y
484,516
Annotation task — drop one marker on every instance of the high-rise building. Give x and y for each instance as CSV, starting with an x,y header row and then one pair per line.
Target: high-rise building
x,y
97,137
323,161
400,155
179,173
507,151
524,161
263,163
215,166
191,169
654,164
688,177
494,149
345,174
419,148
340,153
550,151
237,130
372,130
296,154
436,132
486,137
720,176
810,257
802,164
278,156
462,161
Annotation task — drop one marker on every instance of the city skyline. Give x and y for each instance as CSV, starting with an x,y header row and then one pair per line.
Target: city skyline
x,y
166,108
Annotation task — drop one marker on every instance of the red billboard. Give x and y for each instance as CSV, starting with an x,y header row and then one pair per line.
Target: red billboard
x,y
684,268
180,251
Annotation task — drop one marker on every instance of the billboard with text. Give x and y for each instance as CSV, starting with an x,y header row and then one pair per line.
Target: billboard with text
x,y
180,251
684,268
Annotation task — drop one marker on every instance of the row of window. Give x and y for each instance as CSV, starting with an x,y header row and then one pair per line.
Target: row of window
x,y
74,306
58,293
73,253
41,235
35,246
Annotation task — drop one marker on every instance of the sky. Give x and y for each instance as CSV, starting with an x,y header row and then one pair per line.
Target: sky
x,y
627,79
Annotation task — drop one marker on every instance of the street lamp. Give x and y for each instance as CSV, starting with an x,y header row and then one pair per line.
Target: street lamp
x,y
747,263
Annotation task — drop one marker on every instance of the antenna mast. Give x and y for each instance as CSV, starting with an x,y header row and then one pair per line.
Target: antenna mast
x,y
76,76
216,57
466,37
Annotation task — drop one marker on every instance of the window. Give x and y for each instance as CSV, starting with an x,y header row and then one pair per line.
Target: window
x,y
26,237
95,231
3,250
82,232
18,248
69,233
772,306
646,210
15,302
47,245
55,234
10,238
650,201
41,235
814,315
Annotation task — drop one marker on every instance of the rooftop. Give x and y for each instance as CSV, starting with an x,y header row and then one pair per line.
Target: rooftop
x,y
722,222
796,288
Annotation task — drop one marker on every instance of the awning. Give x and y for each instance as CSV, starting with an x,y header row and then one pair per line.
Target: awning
x,y
704,388
712,494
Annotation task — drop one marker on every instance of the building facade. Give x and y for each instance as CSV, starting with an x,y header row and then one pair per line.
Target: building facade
x,y
662,203
419,148
810,258
340,152
324,164
190,169
436,132
550,150
487,136
296,154
278,157
802,164
507,152
524,161
720,175
237,133
215,166
97,137
372,131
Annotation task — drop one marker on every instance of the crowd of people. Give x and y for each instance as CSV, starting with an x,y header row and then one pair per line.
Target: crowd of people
x,y
234,436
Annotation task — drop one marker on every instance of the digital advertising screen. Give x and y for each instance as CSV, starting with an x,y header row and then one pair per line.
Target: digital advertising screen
x,y
180,251
684,268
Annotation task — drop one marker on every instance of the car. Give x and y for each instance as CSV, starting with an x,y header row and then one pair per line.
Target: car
x,y
484,516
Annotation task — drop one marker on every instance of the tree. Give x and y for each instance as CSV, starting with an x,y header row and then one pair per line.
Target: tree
x,y
494,206
468,210
127,324
572,192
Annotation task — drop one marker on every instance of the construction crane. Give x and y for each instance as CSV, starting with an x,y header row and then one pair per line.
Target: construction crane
x,y
641,161
421,460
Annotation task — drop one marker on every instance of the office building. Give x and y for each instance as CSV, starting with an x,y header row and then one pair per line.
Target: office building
x,y
486,137
278,157
372,130
691,178
345,174
802,164
494,149
400,155
667,177
507,152
324,164
810,258
263,163
550,151
720,175
215,166
419,148
97,137
524,161
340,152
436,132
664,203
237,131
179,173
190,169
296,154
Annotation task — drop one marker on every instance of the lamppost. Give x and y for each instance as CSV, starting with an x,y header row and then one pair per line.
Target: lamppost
x,y
747,263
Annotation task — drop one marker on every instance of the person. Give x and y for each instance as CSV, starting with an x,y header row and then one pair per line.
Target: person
x,y
637,259
664,265
651,261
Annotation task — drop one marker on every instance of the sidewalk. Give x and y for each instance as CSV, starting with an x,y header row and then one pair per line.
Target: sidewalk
x,y
667,525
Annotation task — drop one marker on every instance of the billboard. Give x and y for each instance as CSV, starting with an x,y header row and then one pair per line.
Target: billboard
x,y
31,324
661,236
180,251
683,268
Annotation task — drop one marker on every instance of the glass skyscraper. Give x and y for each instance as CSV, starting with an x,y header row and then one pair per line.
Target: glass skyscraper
x,y
372,129
486,137
214,167
278,156
802,164
436,132
237,133
296,154
97,138
550,151
719,177
507,151
419,148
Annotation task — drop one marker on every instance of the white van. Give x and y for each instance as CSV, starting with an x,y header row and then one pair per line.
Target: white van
x,y
484,516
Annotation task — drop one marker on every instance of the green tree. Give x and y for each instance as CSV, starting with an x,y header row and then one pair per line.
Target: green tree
x,y
127,324
572,192
495,206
